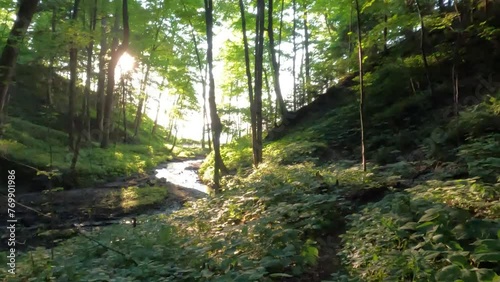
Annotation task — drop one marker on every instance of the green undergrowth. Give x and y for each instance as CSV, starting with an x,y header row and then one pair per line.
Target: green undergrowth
x,y
262,227
39,146
437,231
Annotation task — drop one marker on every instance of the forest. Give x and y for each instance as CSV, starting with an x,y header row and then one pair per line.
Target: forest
x,y
287,140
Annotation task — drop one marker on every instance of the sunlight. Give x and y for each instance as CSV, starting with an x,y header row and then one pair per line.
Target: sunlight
x,y
126,63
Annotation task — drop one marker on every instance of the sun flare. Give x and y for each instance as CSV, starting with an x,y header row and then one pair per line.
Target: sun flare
x,y
126,63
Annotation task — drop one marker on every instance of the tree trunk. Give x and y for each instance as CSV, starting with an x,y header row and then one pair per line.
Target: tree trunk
x,y
307,64
11,50
259,52
124,109
153,131
276,71
115,56
361,89
216,123
73,76
101,80
50,74
203,84
138,114
247,71
422,47
90,53
273,110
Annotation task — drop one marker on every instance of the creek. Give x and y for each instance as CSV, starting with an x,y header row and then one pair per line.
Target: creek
x,y
45,218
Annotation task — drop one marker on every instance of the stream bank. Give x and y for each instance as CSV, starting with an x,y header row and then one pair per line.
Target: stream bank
x,y
47,218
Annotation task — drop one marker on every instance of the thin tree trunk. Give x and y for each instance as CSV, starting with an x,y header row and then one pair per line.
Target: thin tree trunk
x,y
73,76
115,56
259,52
124,109
155,125
138,114
280,32
273,110
248,72
219,167
361,89
203,84
422,47
90,53
50,74
101,79
276,71
307,65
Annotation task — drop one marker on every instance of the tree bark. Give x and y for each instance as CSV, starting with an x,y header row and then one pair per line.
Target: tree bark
x,y
276,71
219,167
138,114
115,56
27,9
73,76
247,71
203,84
361,89
259,52
124,109
101,80
50,74
90,53
307,63
422,47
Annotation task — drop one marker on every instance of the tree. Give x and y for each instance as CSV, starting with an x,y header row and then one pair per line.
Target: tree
x,y
253,124
101,79
73,53
89,73
27,9
257,107
361,88
115,56
216,123
275,65
422,46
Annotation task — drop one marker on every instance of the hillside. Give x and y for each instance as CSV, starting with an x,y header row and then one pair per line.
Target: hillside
x,y
412,87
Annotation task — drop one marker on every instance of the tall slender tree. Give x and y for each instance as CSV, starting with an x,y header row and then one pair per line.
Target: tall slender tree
x,y
361,88
259,52
276,69
219,167
101,79
73,76
248,72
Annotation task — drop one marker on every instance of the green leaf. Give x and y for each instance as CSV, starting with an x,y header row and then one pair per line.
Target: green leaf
x,y
458,260
274,275
448,273
491,257
430,215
